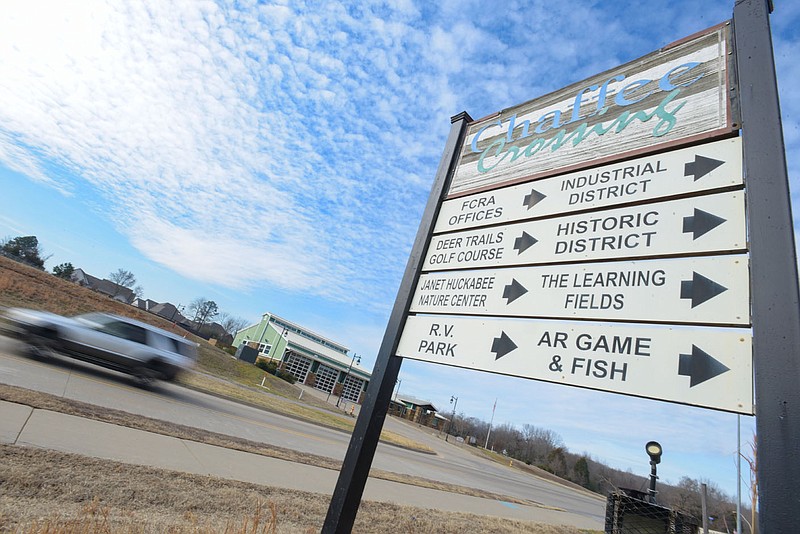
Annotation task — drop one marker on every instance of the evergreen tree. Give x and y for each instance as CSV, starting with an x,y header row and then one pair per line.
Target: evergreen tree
x,y
24,249
64,270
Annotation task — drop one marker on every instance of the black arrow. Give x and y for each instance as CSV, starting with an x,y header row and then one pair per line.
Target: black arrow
x,y
700,223
701,166
523,242
700,289
502,345
513,291
534,198
699,366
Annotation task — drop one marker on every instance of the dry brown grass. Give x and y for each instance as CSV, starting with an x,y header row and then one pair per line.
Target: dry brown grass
x,y
50,492
46,401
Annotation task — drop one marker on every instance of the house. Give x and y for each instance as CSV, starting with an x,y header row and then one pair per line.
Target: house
x,y
419,411
212,331
144,304
106,287
313,359
169,312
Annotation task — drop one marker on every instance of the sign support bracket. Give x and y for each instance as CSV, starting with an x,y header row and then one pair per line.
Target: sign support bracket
x,y
364,441
776,307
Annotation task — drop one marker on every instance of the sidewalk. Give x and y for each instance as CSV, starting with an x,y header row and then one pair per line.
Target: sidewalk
x,y
24,426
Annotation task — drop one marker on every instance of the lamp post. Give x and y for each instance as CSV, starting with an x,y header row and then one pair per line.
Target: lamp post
x,y
654,450
355,357
454,402
397,391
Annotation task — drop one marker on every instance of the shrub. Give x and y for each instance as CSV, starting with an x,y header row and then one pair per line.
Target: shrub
x,y
269,366
289,377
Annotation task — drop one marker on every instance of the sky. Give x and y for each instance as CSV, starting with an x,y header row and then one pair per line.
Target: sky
x,y
277,157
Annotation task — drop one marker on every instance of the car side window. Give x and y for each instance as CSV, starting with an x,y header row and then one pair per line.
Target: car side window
x,y
163,342
126,331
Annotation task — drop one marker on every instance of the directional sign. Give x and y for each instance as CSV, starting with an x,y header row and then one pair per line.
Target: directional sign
x,y
703,290
690,170
711,223
698,366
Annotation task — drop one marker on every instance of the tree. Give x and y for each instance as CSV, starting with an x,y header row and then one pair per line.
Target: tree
x,y
581,472
64,270
752,461
230,323
557,462
204,310
138,292
123,278
24,249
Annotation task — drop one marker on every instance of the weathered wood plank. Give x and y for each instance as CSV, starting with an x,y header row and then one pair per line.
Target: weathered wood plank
x,y
672,95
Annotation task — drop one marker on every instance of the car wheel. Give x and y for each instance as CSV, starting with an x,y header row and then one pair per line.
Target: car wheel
x,y
39,351
40,345
145,377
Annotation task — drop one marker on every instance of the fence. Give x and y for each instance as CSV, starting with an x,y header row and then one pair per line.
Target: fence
x,y
627,512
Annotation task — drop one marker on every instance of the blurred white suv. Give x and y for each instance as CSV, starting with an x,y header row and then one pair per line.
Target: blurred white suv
x,y
144,351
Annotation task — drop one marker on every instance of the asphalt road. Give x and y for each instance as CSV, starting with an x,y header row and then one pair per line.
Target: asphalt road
x,y
83,382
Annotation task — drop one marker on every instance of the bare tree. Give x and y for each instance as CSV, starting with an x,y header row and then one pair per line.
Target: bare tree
x,y
123,278
752,461
231,324
204,310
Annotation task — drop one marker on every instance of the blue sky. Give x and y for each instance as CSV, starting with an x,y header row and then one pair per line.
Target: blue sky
x,y
277,157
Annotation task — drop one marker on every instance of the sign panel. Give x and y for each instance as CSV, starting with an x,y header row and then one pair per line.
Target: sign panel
x,y
698,366
704,290
690,170
679,93
711,223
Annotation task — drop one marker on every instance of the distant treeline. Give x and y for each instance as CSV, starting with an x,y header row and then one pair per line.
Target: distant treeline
x,y
546,450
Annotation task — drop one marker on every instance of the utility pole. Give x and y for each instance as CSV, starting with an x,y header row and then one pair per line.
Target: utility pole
x,y
489,432
452,417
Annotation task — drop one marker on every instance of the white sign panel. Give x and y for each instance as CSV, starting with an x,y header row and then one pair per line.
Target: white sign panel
x,y
697,366
676,94
690,170
703,290
711,223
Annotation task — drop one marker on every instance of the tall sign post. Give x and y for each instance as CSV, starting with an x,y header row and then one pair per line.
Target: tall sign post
x,y
358,459
611,232
776,307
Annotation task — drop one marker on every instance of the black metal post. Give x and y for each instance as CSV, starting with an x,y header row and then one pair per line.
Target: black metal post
x,y
773,275
653,478
358,459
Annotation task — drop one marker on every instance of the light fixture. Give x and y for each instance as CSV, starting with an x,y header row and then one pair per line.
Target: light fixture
x,y
654,450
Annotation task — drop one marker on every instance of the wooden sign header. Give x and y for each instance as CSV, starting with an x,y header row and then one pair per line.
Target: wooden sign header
x,y
673,96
